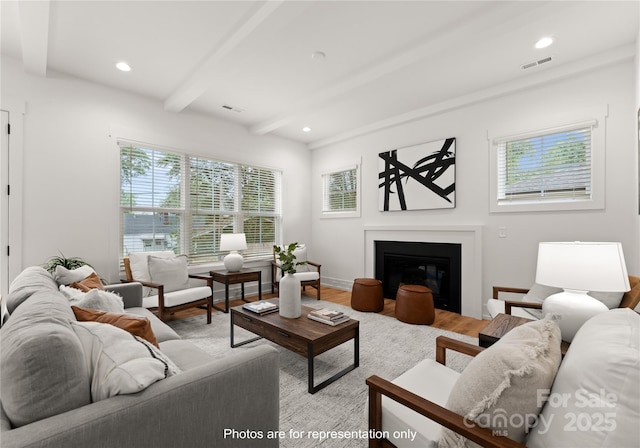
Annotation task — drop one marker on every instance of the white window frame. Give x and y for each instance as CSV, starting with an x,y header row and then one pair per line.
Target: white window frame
x,y
185,212
596,117
343,213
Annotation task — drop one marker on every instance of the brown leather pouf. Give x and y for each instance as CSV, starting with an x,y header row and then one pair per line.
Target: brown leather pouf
x,y
414,305
366,295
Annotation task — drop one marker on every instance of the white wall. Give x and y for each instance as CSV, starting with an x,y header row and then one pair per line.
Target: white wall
x,y
69,186
637,154
510,261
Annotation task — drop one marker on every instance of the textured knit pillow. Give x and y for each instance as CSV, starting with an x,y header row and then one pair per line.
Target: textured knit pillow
x,y
119,362
97,299
136,325
170,272
499,389
91,282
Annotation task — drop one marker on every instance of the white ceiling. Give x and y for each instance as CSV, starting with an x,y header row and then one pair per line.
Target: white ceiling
x,y
386,61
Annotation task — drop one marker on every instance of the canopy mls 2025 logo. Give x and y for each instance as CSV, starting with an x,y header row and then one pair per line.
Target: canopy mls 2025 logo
x,y
418,177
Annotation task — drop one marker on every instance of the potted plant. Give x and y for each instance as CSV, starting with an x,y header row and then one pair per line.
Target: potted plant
x,y
69,263
289,285
287,258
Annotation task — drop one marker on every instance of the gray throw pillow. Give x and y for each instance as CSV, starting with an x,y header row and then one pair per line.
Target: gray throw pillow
x,y
610,299
42,362
170,272
499,388
537,293
28,282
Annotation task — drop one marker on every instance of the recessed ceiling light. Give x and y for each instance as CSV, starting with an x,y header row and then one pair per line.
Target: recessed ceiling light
x,y
544,42
318,55
123,66
306,129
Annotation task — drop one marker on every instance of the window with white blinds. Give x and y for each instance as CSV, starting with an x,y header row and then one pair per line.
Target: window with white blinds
x,y
554,166
340,192
173,201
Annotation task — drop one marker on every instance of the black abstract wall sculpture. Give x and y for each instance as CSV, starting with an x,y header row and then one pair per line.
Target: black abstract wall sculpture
x,y
419,177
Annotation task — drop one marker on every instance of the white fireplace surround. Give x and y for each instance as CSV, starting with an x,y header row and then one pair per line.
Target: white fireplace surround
x,y
468,236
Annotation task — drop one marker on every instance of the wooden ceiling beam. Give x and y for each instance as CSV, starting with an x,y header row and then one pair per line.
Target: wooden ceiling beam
x,y
202,76
34,28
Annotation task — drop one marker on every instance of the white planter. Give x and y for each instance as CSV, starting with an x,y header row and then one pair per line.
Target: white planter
x,y
290,296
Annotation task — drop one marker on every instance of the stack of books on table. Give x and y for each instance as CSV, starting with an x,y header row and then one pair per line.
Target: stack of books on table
x,y
329,317
261,307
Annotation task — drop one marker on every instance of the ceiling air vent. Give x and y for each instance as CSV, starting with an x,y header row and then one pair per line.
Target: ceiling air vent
x,y
235,109
536,63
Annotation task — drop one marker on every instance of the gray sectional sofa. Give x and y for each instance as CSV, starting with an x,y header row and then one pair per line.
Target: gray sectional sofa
x,y
45,388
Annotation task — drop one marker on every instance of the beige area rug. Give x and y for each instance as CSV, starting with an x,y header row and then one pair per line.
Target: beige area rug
x,y
388,348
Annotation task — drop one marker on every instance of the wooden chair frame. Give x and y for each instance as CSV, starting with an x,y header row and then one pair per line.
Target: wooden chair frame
x,y
312,283
165,311
630,299
456,422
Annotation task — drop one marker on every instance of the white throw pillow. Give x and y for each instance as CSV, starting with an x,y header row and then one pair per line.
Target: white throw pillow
x,y
610,299
138,263
97,299
119,362
64,276
499,388
73,294
301,257
170,272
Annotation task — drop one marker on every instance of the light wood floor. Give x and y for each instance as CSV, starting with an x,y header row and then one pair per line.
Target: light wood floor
x,y
444,319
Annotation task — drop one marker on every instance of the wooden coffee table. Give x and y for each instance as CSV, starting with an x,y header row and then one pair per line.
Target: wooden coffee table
x,y
501,325
302,335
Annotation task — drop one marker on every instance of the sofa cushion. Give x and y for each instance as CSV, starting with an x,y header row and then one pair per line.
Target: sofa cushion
x,y
595,399
64,276
89,283
136,325
396,418
184,354
42,361
499,388
170,272
174,298
119,362
306,276
28,282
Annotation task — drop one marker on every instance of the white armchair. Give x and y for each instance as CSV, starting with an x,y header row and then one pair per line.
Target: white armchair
x,y
168,287
308,273
527,303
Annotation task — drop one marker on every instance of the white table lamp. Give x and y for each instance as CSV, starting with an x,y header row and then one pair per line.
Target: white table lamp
x,y
579,267
233,242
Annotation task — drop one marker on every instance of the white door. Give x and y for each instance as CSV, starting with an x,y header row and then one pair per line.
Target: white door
x,y
4,204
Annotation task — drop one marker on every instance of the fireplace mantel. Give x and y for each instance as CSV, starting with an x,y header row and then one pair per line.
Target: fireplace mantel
x,y
468,236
